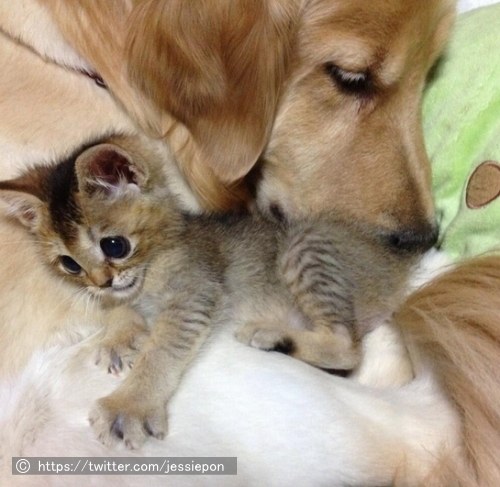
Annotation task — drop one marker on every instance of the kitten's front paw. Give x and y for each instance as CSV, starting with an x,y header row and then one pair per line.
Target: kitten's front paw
x,y
116,418
324,347
268,339
119,348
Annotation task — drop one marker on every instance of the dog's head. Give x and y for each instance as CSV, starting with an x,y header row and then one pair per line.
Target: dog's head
x,y
348,131
325,94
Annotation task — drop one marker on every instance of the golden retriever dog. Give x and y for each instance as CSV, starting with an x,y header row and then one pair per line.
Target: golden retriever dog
x,y
320,98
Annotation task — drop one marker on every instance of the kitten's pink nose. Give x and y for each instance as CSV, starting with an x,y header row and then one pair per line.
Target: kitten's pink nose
x,y
101,278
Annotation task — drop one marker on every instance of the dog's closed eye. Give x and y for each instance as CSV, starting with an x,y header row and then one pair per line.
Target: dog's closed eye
x,y
351,82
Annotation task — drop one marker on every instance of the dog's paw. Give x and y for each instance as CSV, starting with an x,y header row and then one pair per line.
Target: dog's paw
x,y
119,348
115,418
268,339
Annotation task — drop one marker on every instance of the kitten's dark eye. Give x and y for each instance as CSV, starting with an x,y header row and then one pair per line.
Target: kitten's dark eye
x,y
70,265
115,247
351,82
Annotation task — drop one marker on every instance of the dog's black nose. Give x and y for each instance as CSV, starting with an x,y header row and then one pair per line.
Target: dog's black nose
x,y
414,240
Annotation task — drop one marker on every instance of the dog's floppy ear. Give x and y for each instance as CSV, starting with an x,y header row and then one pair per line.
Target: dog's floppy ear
x,y
217,66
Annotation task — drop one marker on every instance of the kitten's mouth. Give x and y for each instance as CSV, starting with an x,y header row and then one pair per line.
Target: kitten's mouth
x,y
127,286
126,290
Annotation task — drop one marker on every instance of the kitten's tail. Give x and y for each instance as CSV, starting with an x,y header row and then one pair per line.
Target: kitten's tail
x,y
454,325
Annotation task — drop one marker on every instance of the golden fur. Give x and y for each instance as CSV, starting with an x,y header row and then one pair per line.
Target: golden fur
x,y
453,324
253,80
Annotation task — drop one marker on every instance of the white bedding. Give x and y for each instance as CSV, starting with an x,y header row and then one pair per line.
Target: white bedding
x,y
464,5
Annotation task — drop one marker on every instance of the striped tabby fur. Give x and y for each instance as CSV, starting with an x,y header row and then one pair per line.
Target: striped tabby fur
x,y
310,289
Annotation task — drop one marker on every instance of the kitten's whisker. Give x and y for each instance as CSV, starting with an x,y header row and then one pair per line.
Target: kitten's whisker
x,y
77,297
17,242
87,304
75,300
61,289
90,303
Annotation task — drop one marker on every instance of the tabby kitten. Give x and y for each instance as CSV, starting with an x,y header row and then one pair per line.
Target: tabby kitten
x,y
106,221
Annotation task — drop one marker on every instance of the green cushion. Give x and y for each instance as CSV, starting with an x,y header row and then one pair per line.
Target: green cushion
x,y
462,130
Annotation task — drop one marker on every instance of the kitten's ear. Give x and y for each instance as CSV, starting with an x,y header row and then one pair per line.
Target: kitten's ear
x,y
109,169
22,202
